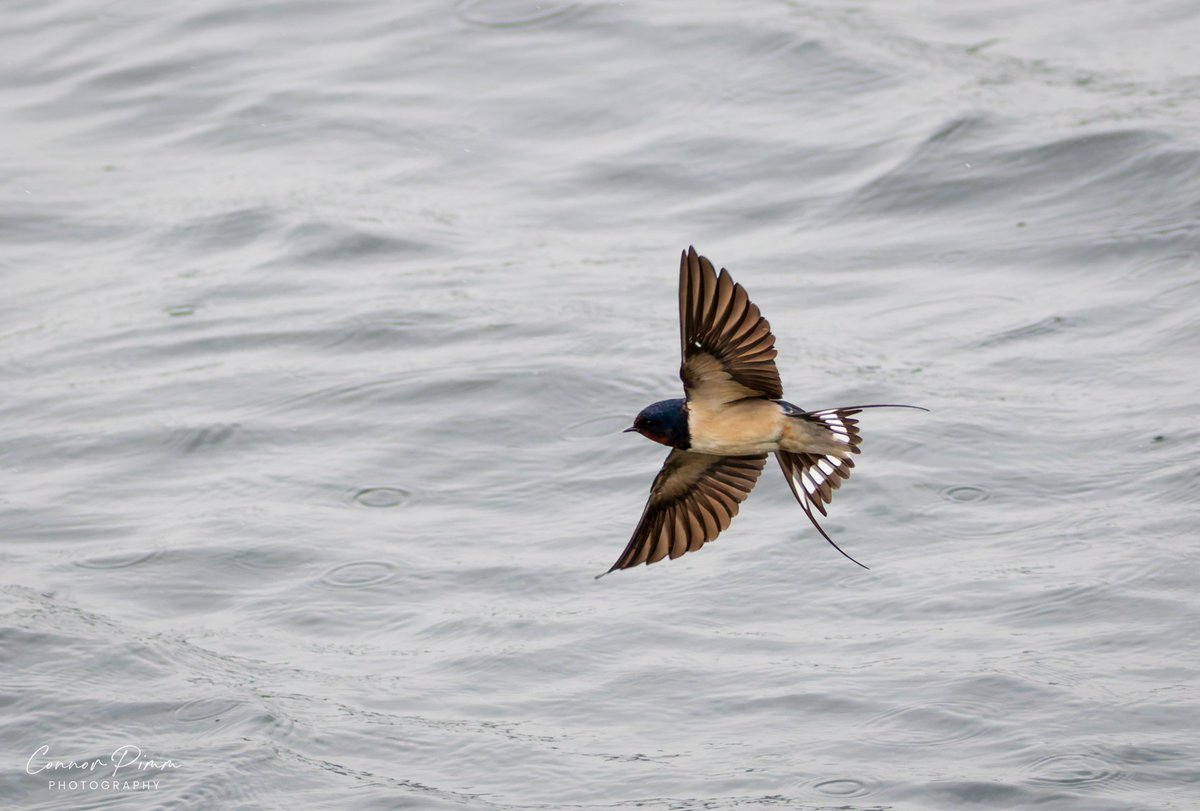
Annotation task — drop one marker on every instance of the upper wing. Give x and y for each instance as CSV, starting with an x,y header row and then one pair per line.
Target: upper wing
x,y
814,476
727,346
693,498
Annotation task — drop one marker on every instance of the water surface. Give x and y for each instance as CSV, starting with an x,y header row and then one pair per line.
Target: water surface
x,y
321,322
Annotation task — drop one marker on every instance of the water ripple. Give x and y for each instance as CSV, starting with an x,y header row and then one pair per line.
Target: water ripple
x,y
120,560
842,787
935,723
202,709
1073,770
359,574
380,496
965,493
518,14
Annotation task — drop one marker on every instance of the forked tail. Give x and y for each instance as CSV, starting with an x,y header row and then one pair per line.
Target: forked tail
x,y
814,476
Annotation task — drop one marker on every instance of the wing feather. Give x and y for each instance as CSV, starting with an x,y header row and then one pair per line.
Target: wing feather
x,y
728,351
693,499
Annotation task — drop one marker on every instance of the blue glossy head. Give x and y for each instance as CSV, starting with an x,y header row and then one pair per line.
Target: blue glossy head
x,y
665,422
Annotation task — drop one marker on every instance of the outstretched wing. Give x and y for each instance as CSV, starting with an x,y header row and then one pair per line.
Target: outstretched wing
x,y
694,497
727,346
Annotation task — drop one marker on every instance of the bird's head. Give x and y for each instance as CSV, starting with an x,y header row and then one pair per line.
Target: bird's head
x,y
664,422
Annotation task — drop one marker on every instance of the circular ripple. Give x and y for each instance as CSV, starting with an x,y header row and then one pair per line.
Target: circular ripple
x,y
201,709
511,13
596,427
359,574
381,496
934,724
842,787
267,558
118,561
966,494
1072,770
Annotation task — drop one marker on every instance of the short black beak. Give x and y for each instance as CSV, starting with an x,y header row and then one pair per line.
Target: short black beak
x,y
627,430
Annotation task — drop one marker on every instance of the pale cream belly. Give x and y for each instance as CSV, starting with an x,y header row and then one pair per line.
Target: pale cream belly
x,y
745,428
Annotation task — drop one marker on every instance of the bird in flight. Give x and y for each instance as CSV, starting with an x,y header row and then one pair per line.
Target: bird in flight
x,y
733,415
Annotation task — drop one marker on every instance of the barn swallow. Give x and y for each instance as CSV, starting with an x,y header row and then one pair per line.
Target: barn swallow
x,y
733,415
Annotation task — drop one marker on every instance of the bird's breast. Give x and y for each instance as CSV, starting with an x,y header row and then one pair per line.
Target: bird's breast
x,y
741,428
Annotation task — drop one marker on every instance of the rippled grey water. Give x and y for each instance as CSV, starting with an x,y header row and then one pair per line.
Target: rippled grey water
x,y
321,321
